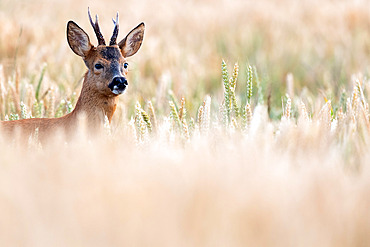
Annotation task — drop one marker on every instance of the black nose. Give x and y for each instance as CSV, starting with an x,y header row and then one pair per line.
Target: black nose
x,y
118,85
121,82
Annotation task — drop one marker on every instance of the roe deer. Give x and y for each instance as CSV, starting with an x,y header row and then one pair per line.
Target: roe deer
x,y
103,82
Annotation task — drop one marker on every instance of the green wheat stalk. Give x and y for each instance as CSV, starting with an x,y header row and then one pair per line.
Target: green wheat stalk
x,y
249,84
153,118
225,79
234,77
232,83
147,121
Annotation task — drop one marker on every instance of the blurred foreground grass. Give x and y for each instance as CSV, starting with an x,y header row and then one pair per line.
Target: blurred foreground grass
x,y
267,148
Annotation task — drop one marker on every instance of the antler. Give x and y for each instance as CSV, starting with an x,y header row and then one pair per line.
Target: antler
x,y
96,28
113,40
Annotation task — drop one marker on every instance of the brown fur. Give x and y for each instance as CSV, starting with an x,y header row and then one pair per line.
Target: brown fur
x,y
96,99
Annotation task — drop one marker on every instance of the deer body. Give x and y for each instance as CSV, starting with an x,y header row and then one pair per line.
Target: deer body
x,y
104,81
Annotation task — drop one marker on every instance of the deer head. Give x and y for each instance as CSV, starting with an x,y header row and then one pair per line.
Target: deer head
x,y
107,65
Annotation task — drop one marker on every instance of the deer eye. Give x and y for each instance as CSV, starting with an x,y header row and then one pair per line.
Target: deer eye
x,y
125,65
98,66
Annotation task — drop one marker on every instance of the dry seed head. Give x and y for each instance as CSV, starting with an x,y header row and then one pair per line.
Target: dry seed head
x,y
249,115
146,119
182,110
200,115
143,130
234,77
234,125
185,130
288,108
153,118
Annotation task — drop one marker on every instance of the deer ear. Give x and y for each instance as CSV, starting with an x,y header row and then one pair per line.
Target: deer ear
x,y
131,44
78,40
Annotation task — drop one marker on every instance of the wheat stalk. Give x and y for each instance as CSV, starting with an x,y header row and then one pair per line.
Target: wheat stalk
x,y
248,116
153,118
182,110
232,83
225,79
249,84
142,134
147,121
174,115
288,108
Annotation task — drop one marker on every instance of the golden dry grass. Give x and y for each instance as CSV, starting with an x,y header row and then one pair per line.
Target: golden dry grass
x,y
297,175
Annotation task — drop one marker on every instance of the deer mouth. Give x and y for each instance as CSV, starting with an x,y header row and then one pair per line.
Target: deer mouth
x,y
118,85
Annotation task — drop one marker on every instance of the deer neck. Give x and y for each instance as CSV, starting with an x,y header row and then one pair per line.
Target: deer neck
x,y
94,105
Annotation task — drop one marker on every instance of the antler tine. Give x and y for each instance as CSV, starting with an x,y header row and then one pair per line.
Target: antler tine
x,y
96,28
113,40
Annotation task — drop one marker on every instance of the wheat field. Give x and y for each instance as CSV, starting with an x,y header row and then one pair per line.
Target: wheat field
x,y
246,123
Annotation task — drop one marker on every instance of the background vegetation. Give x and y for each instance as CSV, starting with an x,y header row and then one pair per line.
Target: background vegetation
x,y
272,151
